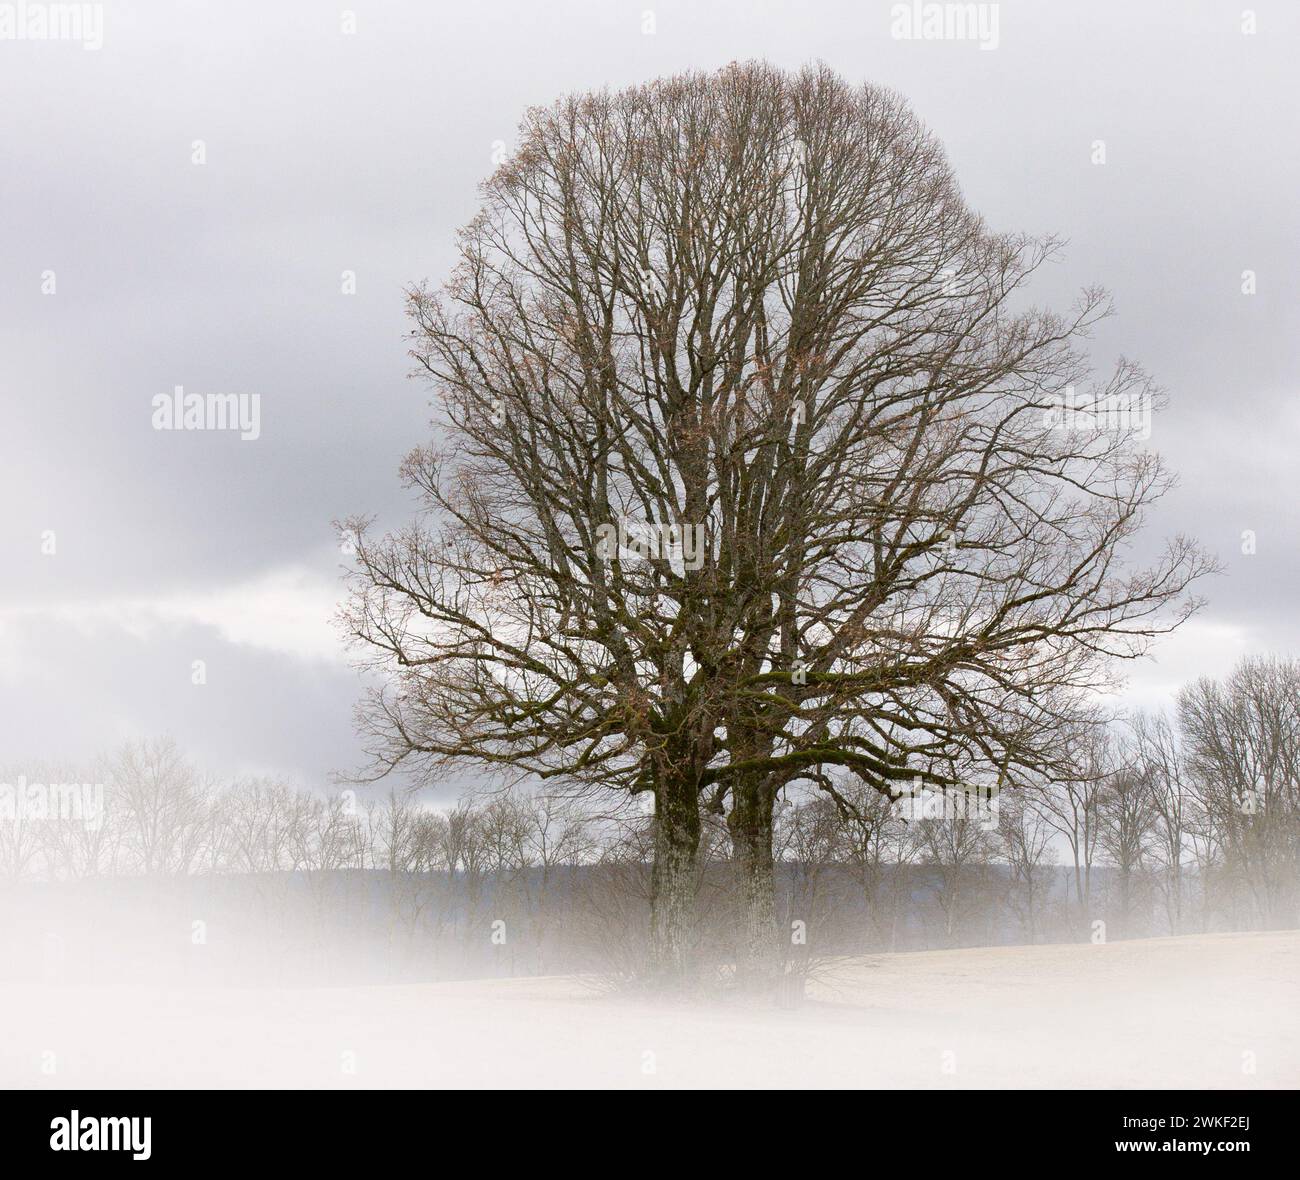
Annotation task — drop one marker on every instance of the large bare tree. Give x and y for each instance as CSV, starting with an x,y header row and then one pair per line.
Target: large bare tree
x,y
751,462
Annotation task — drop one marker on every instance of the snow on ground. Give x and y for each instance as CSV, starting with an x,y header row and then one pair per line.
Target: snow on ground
x,y
1215,1011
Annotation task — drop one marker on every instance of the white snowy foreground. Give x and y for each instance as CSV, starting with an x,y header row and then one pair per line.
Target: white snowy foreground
x,y
1218,1011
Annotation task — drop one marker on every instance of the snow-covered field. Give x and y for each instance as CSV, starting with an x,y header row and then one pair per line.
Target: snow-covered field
x,y
1217,1011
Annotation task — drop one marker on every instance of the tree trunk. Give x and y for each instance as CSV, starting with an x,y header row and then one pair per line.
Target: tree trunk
x,y
673,883
750,824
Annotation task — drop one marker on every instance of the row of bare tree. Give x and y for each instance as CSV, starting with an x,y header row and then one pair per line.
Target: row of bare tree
x,y
1170,825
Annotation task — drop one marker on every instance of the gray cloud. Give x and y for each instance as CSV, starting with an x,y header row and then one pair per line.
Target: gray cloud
x,y
328,152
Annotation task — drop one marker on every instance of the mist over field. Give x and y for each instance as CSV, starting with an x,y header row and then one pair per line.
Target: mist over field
x,y
1007,1018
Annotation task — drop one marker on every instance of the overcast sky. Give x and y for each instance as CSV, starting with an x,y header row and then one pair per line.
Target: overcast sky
x,y
327,151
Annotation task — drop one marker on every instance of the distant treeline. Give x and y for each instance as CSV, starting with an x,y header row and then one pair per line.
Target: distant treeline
x,y
346,926
1170,825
